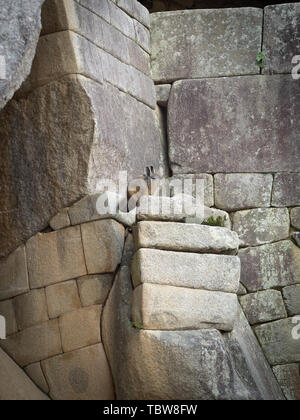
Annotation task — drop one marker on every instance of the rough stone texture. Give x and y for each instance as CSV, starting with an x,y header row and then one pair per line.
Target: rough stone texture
x,y
286,190
54,257
291,295
180,364
242,290
162,94
103,243
20,29
289,380
277,341
208,185
263,306
135,9
34,344
93,290
295,217
270,266
62,298
157,307
61,220
261,226
80,375
8,311
31,309
185,237
242,191
296,237
281,37
212,121
210,212
35,372
207,271
185,44
13,274
15,385
80,328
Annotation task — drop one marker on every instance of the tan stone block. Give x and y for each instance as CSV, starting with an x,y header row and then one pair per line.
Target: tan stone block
x,y
31,309
55,257
13,274
62,298
80,375
103,243
61,220
93,289
7,310
35,372
80,328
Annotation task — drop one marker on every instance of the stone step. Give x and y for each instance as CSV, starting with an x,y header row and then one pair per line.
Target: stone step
x,y
157,307
185,237
190,270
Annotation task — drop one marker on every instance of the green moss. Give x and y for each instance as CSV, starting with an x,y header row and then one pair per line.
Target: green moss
x,y
219,221
137,325
260,60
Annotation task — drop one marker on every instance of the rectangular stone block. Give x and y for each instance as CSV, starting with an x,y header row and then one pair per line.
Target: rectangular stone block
x,y
80,375
185,237
208,181
295,217
205,43
157,307
212,121
103,243
8,311
34,344
291,295
142,36
54,257
270,266
135,9
278,341
281,37
62,298
242,191
60,220
121,20
13,274
35,372
100,8
195,271
263,306
289,380
31,309
286,190
80,328
94,290
261,226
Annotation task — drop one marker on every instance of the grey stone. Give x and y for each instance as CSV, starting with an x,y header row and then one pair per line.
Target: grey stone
x,y
20,29
206,271
162,94
135,9
62,298
295,217
242,191
291,295
8,311
185,237
185,44
15,385
296,237
157,307
261,226
35,372
61,220
100,8
263,306
31,309
121,20
208,185
94,290
209,213
142,36
270,266
80,375
289,380
207,137
13,274
242,290
286,190
278,341
281,37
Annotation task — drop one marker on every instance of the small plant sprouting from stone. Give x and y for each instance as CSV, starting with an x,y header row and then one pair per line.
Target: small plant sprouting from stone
x,y
219,221
260,60
137,325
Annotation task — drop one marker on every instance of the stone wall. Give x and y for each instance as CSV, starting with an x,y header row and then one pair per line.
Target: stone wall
x,y
236,122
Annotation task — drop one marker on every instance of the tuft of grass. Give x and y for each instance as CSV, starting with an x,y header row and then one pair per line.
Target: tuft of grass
x,y
219,221
137,325
260,60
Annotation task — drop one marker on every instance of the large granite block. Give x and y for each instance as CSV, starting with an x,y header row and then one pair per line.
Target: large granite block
x,y
13,274
286,190
228,125
205,43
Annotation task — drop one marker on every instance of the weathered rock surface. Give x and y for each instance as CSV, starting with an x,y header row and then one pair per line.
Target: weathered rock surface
x,y
212,121
205,43
80,375
295,217
242,191
263,306
20,29
31,309
62,298
289,380
291,295
286,190
207,271
296,237
278,341
162,94
15,385
212,213
208,185
157,307
261,226
60,220
281,37
8,311
13,274
35,372
270,266
185,237
94,289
